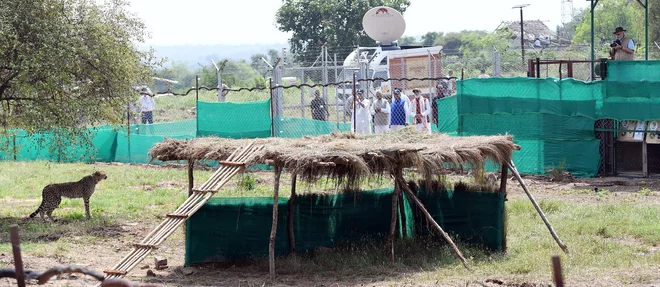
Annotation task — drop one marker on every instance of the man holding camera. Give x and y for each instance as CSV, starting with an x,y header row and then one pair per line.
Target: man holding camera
x,y
623,48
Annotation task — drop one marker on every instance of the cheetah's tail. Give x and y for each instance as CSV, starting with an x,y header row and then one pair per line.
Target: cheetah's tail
x,y
37,211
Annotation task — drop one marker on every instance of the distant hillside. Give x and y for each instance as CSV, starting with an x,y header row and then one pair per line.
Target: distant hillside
x,y
193,54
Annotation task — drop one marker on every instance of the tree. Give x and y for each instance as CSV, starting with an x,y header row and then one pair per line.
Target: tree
x,y
337,24
609,15
68,64
429,38
567,31
235,74
450,42
258,64
179,72
654,29
408,41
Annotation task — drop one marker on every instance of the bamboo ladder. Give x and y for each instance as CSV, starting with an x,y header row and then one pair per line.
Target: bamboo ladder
x,y
230,167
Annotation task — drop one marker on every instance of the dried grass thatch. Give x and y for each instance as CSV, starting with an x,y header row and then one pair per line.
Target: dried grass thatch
x,y
349,157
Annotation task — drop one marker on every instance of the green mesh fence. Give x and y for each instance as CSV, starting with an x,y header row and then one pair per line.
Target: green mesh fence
x,y
48,146
228,229
299,127
447,115
473,217
234,120
552,120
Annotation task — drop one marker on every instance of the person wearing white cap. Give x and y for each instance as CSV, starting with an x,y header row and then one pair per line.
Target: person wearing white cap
x,y
380,110
421,109
360,116
399,111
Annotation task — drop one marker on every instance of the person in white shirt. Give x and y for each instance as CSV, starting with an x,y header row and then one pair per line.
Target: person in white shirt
x,y
421,108
360,115
147,106
380,110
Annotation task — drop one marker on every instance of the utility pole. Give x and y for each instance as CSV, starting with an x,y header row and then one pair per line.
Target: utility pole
x,y
522,31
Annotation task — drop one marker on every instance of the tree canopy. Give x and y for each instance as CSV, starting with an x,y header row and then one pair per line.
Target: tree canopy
x,y
337,24
67,64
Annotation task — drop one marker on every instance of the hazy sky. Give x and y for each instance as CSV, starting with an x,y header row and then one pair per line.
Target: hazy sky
x,y
195,22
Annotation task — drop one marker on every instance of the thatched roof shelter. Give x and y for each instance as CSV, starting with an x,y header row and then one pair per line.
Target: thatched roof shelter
x,y
351,157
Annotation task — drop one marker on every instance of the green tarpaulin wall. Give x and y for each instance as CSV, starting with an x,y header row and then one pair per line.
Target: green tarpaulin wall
x,y
228,229
551,119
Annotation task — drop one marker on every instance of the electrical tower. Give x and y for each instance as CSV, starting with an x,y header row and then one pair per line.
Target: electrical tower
x,y
566,11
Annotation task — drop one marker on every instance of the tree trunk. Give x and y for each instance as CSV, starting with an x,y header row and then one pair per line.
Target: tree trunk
x,y
273,230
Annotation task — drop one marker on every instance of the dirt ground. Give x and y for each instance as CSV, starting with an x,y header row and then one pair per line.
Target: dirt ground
x,y
102,255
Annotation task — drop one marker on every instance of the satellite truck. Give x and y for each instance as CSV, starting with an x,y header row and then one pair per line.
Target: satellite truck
x,y
389,60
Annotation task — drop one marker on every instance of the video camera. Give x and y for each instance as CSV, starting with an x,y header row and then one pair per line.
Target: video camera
x,y
615,43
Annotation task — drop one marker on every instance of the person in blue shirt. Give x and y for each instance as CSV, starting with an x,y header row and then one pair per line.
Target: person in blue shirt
x,y
399,111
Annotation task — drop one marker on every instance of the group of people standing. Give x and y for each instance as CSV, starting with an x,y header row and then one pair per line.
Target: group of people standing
x,y
402,111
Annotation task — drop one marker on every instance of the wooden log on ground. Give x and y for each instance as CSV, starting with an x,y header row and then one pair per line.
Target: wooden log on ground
x,y
513,169
292,200
430,219
273,230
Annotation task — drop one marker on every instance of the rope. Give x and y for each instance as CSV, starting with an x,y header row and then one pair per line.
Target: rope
x,y
173,220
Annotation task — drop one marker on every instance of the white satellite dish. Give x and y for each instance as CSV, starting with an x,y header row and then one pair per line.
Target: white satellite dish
x,y
384,24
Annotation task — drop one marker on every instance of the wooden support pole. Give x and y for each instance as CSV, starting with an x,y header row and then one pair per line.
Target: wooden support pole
x,y
430,219
273,230
536,205
292,200
191,179
556,271
18,260
390,236
503,179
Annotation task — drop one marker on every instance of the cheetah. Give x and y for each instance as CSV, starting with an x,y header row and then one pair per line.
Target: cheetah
x,y
51,196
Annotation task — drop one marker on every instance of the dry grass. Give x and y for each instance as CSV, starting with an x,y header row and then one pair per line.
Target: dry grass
x,y
348,157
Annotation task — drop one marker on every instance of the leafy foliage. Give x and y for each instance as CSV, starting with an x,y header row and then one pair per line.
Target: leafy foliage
x,y
337,24
609,15
68,64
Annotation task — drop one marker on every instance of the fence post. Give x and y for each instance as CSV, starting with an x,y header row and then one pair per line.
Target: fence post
x,y
337,87
302,93
18,260
557,272
196,105
15,149
430,75
221,92
538,68
354,105
324,76
272,110
277,86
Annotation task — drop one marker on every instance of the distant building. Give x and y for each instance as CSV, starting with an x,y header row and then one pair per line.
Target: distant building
x,y
533,29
